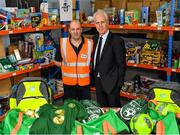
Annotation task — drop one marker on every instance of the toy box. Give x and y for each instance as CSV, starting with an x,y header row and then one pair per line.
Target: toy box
x,y
53,16
155,58
36,19
132,17
50,54
145,15
5,65
36,39
22,13
44,11
159,16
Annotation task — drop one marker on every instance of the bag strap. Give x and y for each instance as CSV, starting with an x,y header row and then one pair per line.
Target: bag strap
x,y
79,130
107,126
2,117
18,125
178,115
160,128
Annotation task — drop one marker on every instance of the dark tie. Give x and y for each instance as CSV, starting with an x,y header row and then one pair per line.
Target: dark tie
x,y
98,56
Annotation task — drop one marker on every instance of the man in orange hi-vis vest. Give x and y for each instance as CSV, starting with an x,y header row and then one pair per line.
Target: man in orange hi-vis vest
x,y
75,56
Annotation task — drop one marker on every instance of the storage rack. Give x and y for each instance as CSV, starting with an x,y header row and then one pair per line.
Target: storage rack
x,y
170,29
26,30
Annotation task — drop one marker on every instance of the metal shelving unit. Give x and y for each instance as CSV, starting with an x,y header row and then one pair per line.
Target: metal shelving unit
x,y
170,29
36,66
19,72
26,30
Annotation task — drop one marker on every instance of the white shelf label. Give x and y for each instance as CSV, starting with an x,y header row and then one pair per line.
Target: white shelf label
x,y
154,67
121,27
134,94
13,74
176,29
159,28
11,32
37,29
174,70
39,67
135,65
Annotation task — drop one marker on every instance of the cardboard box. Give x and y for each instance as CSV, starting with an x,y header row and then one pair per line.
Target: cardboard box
x,y
119,4
35,74
157,35
74,4
5,86
18,78
11,49
101,4
152,4
2,50
134,5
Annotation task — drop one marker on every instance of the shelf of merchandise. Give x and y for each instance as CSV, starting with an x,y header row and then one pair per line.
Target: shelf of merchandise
x,y
127,94
176,70
147,67
122,94
133,27
19,72
25,30
170,29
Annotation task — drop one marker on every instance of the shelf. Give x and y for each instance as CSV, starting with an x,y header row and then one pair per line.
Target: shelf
x,y
146,66
133,27
19,72
176,28
25,30
176,70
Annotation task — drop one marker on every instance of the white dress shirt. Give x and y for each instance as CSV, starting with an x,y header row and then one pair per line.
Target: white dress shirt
x,y
102,46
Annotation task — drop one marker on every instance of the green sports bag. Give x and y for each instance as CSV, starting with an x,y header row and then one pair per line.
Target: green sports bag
x,y
16,122
108,123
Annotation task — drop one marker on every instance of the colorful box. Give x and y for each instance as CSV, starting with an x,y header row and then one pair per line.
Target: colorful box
x,y
145,15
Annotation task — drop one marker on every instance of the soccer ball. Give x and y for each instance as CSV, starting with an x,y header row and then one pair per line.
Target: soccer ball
x,y
141,124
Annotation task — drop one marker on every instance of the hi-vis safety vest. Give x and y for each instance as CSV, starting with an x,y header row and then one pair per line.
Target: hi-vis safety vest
x,y
76,69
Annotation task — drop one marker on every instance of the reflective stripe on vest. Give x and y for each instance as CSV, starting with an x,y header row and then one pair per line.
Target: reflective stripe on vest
x,y
75,69
72,64
76,75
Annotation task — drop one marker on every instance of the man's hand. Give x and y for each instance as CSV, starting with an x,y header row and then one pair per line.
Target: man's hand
x,y
57,63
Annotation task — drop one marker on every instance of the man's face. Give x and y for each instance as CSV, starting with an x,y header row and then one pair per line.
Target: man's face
x,y
101,24
75,30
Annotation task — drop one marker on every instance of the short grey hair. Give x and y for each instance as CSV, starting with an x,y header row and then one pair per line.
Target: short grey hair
x,y
101,12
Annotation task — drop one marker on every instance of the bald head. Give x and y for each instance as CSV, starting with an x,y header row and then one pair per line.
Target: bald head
x,y
75,30
74,22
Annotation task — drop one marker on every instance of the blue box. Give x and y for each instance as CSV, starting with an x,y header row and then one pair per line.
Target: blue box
x,y
145,15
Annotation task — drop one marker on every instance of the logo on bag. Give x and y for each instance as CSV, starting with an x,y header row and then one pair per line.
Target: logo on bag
x,y
59,118
71,105
32,88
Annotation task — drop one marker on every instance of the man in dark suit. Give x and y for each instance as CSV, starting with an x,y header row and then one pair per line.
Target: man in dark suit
x,y
109,62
